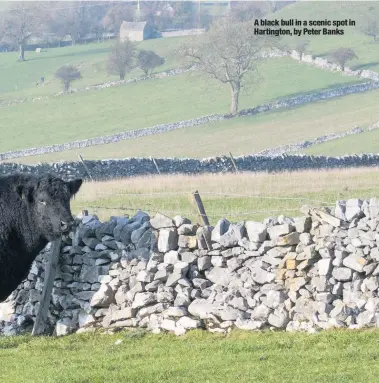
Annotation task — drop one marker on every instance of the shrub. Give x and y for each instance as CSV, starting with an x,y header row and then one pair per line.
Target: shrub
x,y
66,74
121,58
342,55
148,61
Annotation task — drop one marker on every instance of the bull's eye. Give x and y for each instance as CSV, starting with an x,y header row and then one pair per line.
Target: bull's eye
x,y
42,203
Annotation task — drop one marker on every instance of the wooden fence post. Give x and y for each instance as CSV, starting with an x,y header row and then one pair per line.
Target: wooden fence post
x,y
200,208
156,165
85,166
233,162
50,271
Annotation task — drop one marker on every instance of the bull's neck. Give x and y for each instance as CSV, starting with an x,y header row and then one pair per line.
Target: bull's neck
x,y
32,241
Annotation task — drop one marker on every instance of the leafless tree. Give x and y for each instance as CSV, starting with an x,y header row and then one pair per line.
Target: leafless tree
x,y
116,15
228,52
73,19
121,58
245,11
20,23
342,55
67,74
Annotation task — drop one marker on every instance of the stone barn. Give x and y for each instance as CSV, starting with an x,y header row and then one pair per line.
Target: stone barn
x,y
135,31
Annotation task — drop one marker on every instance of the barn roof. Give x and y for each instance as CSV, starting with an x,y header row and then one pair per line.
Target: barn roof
x,y
133,26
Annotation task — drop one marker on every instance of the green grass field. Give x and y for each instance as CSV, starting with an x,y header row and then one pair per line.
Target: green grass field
x,y
147,103
18,80
268,357
139,105
246,135
365,47
367,142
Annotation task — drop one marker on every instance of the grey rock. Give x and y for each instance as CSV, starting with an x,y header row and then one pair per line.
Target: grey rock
x,y
188,323
173,279
342,274
261,313
103,297
353,209
324,266
143,299
220,229
179,221
220,276
205,263
167,240
234,234
187,241
274,298
256,231
161,221
280,230
355,262
171,257
279,318
187,229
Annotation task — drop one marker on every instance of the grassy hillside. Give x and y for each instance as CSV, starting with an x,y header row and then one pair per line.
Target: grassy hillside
x,y
18,80
138,105
367,142
246,135
234,196
134,106
365,47
268,357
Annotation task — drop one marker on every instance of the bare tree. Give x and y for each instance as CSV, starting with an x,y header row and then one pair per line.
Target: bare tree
x,y
67,74
73,19
342,55
245,11
148,61
302,47
116,15
121,58
19,24
227,53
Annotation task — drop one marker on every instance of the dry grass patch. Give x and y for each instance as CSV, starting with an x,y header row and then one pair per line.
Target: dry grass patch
x,y
234,196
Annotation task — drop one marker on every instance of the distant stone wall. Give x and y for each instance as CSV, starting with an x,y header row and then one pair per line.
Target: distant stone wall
x,y
323,63
104,85
182,32
299,146
132,167
314,272
162,128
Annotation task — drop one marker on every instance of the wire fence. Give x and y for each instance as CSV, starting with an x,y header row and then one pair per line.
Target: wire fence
x,y
211,210
232,195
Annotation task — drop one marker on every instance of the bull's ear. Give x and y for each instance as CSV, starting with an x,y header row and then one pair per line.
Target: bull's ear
x,y
74,186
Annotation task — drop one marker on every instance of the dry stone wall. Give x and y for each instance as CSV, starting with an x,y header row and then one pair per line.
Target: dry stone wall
x,y
132,167
289,102
313,272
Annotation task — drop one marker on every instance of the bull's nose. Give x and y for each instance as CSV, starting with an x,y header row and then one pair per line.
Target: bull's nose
x,y
66,226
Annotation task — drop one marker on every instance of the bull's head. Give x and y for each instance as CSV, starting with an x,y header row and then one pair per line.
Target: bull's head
x,y
48,203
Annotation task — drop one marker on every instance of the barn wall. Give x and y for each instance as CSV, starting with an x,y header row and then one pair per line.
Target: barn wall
x,y
313,272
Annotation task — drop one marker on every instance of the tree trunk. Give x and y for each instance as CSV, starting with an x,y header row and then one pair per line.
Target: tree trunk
x,y
21,56
235,89
66,86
